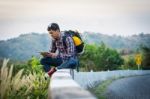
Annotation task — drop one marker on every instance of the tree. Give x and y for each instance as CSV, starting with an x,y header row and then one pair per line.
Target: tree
x,y
99,57
108,58
87,59
146,57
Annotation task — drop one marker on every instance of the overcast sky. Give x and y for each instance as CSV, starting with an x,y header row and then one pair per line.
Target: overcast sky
x,y
120,17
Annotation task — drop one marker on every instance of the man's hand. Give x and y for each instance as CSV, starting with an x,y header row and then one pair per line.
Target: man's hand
x,y
53,55
48,54
44,54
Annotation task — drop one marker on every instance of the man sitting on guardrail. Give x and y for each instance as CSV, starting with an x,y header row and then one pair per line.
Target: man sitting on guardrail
x,y
64,57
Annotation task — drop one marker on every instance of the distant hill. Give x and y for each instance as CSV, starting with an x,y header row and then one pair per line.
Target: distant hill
x,y
24,46
118,42
27,45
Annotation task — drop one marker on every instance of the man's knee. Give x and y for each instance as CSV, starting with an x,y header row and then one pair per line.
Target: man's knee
x,y
43,60
46,66
71,63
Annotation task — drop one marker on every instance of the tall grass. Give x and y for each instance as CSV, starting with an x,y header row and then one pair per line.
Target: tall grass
x,y
8,83
19,86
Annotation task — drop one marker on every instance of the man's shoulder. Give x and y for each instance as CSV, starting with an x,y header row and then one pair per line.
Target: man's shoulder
x,y
64,35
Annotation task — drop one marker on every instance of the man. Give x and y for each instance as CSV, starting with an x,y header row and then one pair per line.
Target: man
x,y
66,55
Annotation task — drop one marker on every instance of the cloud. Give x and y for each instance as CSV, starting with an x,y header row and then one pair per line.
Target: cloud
x,y
106,16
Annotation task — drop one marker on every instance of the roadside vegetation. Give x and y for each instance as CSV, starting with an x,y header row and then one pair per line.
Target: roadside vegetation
x,y
25,80
24,83
99,91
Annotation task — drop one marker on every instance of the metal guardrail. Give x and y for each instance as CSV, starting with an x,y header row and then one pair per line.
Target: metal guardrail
x,y
62,86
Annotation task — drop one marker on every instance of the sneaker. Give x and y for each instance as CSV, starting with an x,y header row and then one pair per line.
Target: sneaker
x,y
51,71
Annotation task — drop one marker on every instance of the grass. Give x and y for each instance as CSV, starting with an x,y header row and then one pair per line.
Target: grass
x,y
19,86
99,91
6,81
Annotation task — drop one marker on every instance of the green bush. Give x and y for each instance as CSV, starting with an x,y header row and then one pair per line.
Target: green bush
x,y
146,57
100,57
130,63
19,86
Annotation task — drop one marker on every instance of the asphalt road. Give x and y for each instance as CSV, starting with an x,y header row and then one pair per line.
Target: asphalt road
x,y
137,87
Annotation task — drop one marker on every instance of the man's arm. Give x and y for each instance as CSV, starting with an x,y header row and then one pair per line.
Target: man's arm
x,y
53,47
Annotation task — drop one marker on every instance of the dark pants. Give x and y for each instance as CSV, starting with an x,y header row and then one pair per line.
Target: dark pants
x,y
47,62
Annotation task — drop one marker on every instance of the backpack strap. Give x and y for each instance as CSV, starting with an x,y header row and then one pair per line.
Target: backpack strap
x,y
64,41
66,34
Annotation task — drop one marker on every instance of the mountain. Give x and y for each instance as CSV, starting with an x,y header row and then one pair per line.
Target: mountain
x,y
24,46
131,42
27,45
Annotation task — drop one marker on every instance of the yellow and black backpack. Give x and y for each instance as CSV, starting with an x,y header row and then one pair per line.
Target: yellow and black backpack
x,y
79,44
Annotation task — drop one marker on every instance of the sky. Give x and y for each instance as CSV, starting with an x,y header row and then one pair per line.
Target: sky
x,y
120,17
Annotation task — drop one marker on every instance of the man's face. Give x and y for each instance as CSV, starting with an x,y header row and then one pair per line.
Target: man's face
x,y
54,34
